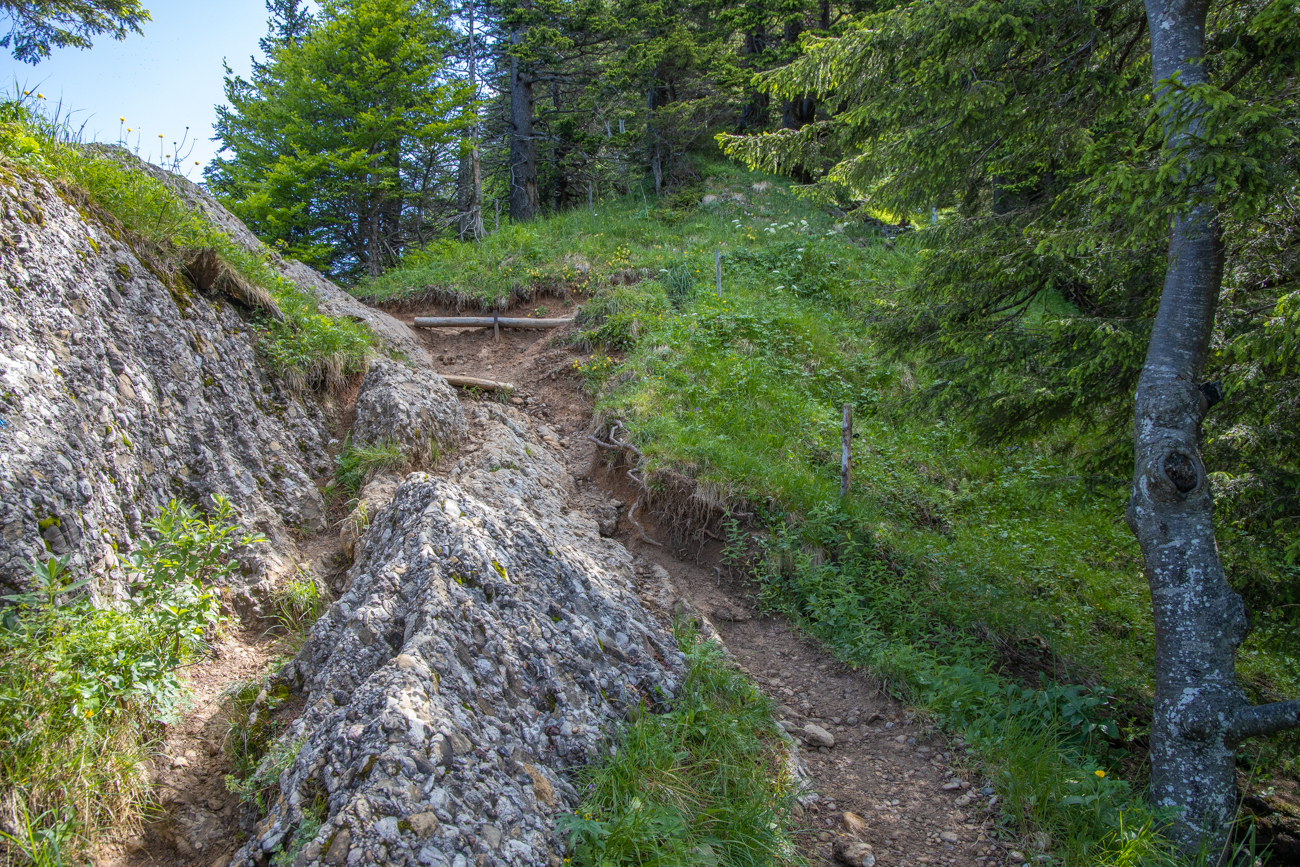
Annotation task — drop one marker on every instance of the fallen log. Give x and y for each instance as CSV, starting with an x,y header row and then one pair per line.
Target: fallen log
x,y
474,382
488,322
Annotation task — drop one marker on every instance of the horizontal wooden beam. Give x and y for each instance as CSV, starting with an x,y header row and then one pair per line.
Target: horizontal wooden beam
x,y
474,382
488,322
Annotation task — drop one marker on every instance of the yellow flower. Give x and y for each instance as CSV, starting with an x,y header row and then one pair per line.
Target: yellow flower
x,y
1100,773
122,119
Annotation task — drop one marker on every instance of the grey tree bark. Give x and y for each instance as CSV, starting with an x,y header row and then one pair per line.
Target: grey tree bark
x,y
471,173
1201,713
524,202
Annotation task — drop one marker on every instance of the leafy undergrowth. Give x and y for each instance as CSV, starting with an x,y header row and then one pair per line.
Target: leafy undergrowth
x,y
306,348
703,783
980,581
84,690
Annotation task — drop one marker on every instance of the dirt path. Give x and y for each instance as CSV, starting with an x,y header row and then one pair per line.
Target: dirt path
x,y
906,782
200,822
910,785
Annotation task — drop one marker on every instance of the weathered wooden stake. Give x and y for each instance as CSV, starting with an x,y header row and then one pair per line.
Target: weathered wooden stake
x,y
717,265
846,450
484,321
457,381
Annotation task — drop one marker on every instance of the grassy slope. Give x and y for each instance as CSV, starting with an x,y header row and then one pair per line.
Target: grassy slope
x,y
949,559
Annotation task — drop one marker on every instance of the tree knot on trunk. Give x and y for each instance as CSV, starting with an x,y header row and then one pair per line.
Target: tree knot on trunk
x,y
1200,722
1183,471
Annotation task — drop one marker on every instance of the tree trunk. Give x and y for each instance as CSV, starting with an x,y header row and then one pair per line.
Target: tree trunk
x,y
796,113
471,173
559,157
657,95
524,202
753,114
1201,713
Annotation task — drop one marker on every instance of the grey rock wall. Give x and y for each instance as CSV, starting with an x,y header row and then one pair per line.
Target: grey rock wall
x,y
489,640
118,394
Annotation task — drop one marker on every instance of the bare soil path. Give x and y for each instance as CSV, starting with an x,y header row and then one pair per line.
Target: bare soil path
x,y
920,803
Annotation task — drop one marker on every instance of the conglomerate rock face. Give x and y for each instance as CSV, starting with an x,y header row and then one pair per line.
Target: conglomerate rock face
x,y
118,394
414,409
489,639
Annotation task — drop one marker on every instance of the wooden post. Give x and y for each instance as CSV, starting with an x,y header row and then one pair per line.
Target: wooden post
x,y
496,327
846,450
717,265
496,320
496,221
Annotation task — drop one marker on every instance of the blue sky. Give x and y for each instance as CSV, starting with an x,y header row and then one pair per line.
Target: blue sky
x,y
161,82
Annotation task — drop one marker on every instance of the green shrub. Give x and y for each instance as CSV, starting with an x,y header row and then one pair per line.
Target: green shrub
x,y
703,783
83,689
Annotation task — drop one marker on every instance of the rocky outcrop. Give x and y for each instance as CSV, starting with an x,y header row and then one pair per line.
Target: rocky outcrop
x,y
414,409
488,640
333,300
118,394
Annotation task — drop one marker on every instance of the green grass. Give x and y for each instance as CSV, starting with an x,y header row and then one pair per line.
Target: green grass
x,y
305,348
703,783
84,690
974,578
580,251
357,464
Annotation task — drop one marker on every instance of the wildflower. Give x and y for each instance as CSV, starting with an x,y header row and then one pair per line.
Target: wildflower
x,y
122,119
1100,773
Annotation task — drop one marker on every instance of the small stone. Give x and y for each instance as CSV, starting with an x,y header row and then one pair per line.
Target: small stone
x,y
451,509
542,788
1041,840
854,824
338,850
949,837
854,853
460,744
964,800
517,401
901,739
423,825
952,785
1016,857
818,736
